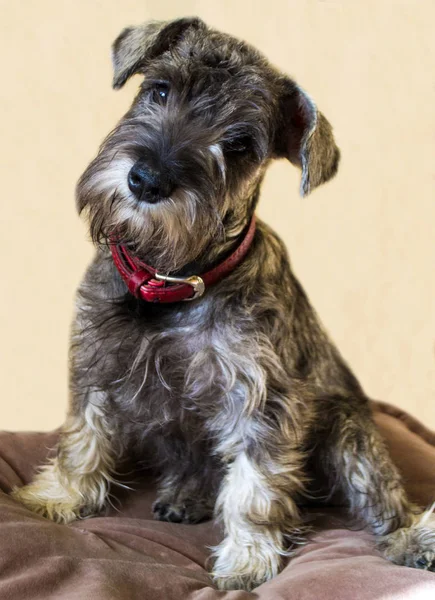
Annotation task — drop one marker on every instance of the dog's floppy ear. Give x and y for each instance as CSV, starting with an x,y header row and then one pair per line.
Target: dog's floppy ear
x,y
135,46
304,136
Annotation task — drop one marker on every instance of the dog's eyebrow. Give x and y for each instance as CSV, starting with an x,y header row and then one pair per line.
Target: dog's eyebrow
x,y
151,82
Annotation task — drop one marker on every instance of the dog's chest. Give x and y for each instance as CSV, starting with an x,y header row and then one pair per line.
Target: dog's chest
x,y
190,366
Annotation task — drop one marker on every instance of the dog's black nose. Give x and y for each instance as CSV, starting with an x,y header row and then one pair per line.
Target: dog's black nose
x,y
148,185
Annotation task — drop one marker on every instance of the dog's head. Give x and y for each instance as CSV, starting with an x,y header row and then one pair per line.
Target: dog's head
x,y
178,178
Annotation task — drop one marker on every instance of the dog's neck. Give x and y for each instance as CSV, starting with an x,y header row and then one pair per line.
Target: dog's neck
x,y
144,282
212,256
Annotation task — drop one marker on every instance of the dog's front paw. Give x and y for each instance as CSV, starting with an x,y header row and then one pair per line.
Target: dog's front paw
x,y
39,500
412,546
50,496
187,511
242,566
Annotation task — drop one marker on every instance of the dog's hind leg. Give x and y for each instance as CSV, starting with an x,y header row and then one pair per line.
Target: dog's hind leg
x,y
76,481
354,455
189,482
184,498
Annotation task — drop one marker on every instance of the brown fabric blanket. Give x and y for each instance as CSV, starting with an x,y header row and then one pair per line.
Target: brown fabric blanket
x,y
126,555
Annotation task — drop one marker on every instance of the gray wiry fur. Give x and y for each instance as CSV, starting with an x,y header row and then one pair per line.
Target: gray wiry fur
x,y
239,397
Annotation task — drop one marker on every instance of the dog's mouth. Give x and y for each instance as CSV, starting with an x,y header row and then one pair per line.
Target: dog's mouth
x,y
152,199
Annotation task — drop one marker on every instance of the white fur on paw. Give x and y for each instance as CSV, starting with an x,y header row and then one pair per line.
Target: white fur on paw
x,y
412,546
243,566
60,510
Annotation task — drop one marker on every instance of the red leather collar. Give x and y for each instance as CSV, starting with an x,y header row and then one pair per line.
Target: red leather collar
x,y
144,282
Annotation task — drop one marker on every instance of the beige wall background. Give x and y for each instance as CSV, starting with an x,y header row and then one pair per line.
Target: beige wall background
x,y
363,246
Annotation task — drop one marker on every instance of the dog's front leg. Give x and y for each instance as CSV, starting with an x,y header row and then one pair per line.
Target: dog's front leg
x,y
75,482
257,505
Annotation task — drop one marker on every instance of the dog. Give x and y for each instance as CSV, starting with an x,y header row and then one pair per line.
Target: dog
x,y
194,347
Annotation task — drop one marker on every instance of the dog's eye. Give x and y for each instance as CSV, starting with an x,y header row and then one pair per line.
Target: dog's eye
x,y
160,93
239,145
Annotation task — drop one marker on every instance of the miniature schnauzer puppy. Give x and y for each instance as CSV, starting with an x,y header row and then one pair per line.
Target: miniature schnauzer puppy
x,y
238,398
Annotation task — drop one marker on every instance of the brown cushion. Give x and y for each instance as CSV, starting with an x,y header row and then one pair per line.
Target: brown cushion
x,y
127,555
